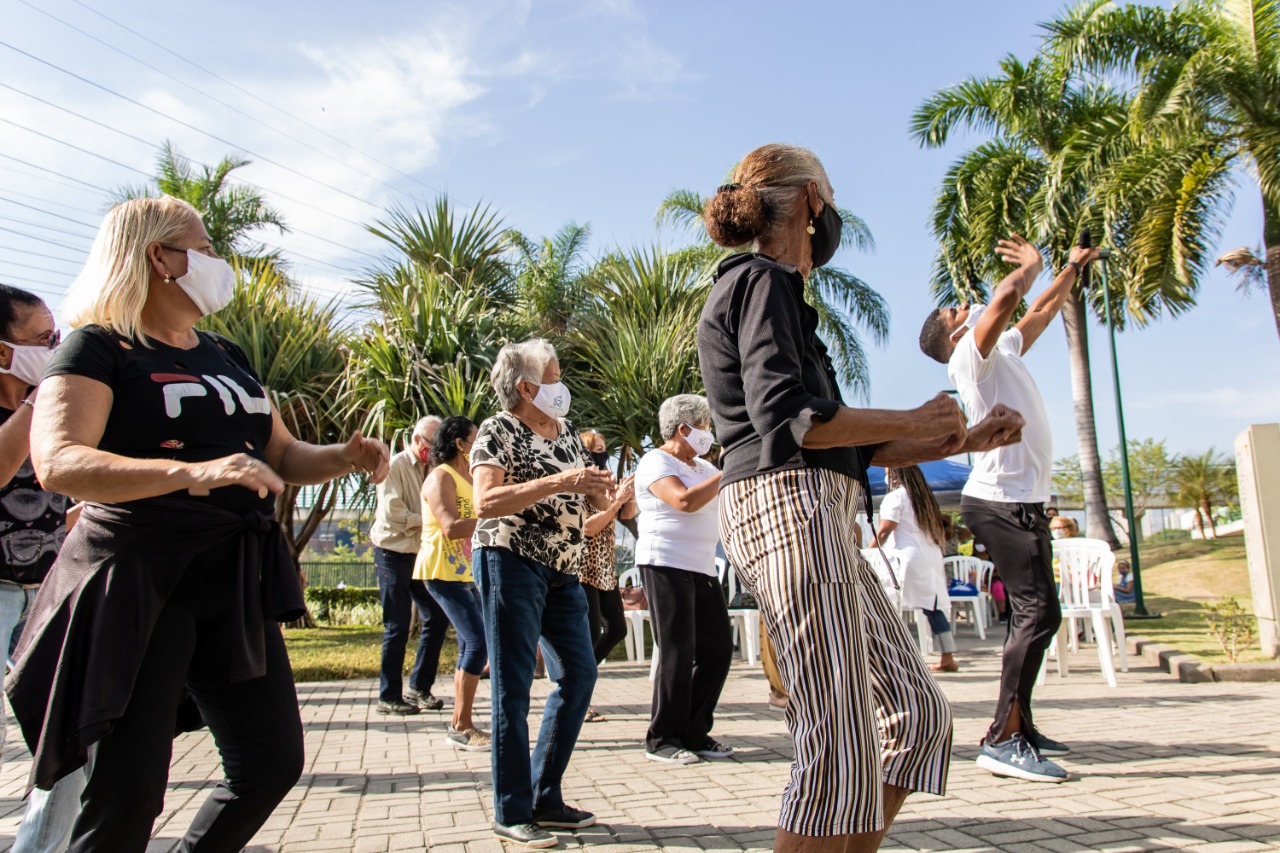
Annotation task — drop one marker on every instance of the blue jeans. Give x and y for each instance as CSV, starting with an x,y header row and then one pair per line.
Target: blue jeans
x,y
14,604
50,815
399,592
461,603
524,600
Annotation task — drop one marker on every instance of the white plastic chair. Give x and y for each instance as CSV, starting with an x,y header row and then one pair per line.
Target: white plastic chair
x,y
1085,591
985,574
745,620
969,570
635,619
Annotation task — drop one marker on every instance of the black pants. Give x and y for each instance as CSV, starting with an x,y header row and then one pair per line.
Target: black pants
x,y
1017,538
399,593
695,643
605,619
255,725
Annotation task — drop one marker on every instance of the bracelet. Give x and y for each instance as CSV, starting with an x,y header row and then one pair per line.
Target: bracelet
x,y
29,402
1076,266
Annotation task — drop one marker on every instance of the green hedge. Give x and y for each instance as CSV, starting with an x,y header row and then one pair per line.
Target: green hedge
x,y
321,599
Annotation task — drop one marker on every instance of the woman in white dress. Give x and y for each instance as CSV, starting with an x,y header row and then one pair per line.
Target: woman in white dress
x,y
911,524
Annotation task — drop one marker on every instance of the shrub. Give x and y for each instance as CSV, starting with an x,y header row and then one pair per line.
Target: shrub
x,y
327,602
1230,624
1170,535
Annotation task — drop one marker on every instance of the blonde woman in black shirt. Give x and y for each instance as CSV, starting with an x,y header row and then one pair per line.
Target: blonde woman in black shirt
x,y
795,461
176,575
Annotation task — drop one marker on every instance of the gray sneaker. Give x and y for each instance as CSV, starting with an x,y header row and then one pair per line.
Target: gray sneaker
x,y
672,755
425,701
470,740
1019,760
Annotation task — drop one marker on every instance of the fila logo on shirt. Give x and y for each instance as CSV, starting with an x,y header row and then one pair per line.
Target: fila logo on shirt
x,y
179,386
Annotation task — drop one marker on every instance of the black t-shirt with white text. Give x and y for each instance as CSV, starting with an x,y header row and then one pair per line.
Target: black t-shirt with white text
x,y
33,524
189,405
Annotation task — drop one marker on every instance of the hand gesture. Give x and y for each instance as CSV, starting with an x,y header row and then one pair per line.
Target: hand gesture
x,y
942,420
625,491
1083,256
239,469
592,482
1017,251
1001,427
368,455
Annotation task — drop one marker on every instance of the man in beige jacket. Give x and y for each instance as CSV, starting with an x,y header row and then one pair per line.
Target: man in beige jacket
x,y
396,535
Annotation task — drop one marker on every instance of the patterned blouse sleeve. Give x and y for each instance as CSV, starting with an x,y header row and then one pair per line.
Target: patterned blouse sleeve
x,y
491,446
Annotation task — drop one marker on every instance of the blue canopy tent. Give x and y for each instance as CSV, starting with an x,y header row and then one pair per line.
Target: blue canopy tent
x,y
945,477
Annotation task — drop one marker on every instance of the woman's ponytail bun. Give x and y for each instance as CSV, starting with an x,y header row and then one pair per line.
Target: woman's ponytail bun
x,y
735,215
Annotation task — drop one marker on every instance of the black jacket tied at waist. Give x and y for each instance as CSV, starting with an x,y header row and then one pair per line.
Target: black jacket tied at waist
x,y
91,622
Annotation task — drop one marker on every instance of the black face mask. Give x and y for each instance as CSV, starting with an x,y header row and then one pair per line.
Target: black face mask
x,y
601,459
826,235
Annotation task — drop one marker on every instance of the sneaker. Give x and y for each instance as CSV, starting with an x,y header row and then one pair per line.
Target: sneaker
x,y
714,749
404,709
1018,759
565,817
425,701
470,740
1047,745
672,755
526,835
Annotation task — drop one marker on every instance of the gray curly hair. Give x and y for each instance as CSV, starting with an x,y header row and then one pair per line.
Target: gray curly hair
x,y
688,409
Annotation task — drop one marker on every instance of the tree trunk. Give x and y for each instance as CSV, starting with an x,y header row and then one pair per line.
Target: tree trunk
x,y
1200,524
1075,318
1271,237
1208,513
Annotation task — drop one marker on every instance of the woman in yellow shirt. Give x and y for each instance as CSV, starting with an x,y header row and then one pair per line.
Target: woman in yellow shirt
x,y
444,562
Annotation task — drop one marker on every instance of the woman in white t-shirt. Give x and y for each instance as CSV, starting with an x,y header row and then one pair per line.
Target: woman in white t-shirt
x,y
911,524
676,553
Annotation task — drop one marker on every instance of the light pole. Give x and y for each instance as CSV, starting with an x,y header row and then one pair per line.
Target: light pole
x,y
1139,607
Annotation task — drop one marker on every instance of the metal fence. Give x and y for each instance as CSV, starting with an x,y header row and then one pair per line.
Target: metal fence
x,y
332,574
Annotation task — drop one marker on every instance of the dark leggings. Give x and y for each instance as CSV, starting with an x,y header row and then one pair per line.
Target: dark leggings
x,y
605,618
255,725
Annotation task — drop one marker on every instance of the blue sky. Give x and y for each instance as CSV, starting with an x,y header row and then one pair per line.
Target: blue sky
x,y
588,111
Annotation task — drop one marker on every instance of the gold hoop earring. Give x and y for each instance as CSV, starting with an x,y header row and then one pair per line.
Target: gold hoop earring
x,y
811,229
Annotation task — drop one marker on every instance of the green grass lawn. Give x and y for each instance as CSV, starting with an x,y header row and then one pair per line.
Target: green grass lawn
x,y
1179,577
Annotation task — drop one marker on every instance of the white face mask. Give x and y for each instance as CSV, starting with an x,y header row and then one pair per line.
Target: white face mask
x,y
28,362
700,440
553,399
1059,533
209,282
975,311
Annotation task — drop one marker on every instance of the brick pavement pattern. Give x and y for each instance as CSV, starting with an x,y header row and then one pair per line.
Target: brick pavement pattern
x,y
1157,765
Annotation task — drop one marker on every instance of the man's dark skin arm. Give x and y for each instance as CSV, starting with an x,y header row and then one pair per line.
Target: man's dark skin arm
x,y
1001,427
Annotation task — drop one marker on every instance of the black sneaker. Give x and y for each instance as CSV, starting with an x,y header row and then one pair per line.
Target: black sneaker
x,y
425,701
1047,745
1019,760
404,709
714,749
565,817
526,835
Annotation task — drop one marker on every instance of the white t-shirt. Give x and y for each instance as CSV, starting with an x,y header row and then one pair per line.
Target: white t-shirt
x,y
668,536
924,583
1019,473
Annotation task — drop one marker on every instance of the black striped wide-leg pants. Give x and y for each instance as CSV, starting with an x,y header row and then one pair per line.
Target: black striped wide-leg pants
x,y
864,710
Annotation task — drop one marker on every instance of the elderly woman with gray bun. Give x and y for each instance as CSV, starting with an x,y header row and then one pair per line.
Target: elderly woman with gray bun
x,y
535,487
869,723
676,553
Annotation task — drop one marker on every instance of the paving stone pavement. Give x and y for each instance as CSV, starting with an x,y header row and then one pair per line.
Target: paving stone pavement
x,y
1157,765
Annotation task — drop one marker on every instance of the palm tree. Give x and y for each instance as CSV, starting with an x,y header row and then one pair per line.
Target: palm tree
x,y
230,211
635,344
843,301
551,276
1208,86
1201,481
297,348
1059,151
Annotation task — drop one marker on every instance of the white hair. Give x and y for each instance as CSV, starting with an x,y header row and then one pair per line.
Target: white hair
x,y
424,424
687,409
525,361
